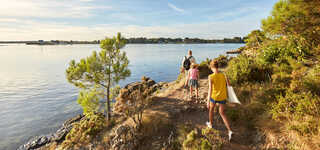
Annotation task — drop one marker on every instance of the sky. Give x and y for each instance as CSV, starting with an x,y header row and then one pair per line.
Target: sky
x,y
96,19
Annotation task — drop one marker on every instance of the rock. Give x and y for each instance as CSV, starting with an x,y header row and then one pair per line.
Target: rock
x,y
35,143
144,78
124,138
150,83
73,120
59,136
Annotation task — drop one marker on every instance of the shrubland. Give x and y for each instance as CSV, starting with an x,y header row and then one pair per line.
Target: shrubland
x,y
278,77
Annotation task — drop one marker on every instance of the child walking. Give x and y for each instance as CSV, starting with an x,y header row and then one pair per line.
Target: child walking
x,y
217,94
192,79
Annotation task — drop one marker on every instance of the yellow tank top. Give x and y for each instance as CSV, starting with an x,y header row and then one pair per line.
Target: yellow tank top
x,y
218,87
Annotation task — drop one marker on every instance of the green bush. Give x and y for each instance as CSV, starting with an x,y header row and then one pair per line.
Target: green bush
x,y
84,132
306,127
206,140
245,69
296,106
282,49
204,69
311,81
222,61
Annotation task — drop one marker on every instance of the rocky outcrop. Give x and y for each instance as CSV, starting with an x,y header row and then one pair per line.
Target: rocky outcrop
x,y
124,139
147,86
58,136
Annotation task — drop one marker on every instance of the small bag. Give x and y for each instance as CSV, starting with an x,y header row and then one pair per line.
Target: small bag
x,y
232,97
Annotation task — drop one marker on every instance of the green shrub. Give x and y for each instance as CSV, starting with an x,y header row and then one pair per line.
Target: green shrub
x,y
306,127
206,140
222,61
283,48
245,69
204,69
205,145
312,80
296,105
191,142
84,132
213,137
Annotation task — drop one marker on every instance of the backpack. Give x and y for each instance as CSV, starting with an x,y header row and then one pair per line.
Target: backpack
x,y
187,63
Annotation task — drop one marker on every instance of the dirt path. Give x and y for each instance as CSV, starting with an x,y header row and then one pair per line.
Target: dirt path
x,y
174,106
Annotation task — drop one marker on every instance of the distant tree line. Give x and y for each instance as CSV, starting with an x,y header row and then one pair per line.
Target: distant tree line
x,y
143,40
138,40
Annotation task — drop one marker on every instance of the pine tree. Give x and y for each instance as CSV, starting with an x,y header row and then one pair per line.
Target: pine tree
x,y
104,69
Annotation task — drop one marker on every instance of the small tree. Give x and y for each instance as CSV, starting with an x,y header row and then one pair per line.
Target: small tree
x,y
103,69
133,104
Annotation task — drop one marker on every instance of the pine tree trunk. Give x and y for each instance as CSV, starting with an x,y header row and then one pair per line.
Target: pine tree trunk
x,y
108,97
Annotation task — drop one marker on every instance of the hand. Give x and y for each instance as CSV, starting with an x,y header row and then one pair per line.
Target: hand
x,y
208,104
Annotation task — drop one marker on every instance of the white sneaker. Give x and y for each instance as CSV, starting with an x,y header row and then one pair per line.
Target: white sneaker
x,y
209,125
230,134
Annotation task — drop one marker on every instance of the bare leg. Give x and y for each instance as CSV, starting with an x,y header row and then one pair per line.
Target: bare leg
x,y
224,117
197,90
211,111
191,91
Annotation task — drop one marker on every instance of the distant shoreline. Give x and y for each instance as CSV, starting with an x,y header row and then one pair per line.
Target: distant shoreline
x,y
139,40
8,43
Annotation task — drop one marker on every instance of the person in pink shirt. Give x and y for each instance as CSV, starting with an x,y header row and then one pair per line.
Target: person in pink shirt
x,y
192,79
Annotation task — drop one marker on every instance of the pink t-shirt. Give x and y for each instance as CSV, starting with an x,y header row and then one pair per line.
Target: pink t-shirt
x,y
193,74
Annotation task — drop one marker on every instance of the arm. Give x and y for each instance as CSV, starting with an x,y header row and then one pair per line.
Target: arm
x,y
209,92
227,80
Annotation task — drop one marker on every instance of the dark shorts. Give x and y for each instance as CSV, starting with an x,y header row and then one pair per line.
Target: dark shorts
x,y
220,102
194,83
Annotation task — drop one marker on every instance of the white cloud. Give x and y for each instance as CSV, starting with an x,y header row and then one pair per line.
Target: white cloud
x,y
47,8
176,8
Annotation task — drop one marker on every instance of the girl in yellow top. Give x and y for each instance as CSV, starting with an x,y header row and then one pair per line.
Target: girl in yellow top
x,y
217,93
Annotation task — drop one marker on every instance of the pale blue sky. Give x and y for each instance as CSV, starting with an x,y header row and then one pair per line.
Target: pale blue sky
x,y
95,19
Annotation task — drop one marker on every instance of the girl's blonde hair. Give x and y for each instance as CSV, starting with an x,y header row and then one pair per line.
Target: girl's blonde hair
x,y
214,64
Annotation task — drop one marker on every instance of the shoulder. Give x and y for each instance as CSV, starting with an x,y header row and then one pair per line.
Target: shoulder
x,y
210,76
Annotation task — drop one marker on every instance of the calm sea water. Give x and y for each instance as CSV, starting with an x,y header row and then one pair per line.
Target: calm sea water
x,y
35,97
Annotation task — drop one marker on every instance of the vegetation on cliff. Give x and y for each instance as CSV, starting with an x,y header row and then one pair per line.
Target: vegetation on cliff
x,y
282,61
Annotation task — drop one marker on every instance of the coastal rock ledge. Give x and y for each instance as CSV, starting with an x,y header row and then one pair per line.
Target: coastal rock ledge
x,y
58,136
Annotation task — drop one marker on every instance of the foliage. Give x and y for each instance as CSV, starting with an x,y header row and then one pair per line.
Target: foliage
x,y
133,105
245,69
295,18
204,69
255,38
287,49
296,106
103,69
282,49
89,101
222,61
311,81
84,132
185,40
206,140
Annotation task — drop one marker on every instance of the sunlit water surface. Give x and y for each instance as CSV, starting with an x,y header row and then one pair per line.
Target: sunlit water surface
x,y
35,97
